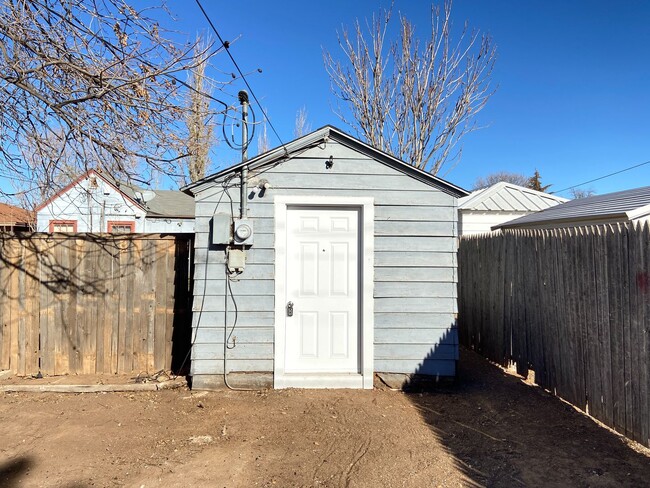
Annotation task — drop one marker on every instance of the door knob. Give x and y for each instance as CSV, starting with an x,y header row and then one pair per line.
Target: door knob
x,y
290,309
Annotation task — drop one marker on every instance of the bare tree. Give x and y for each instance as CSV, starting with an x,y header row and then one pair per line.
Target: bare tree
x,y
199,119
494,178
97,84
302,126
414,99
582,193
263,143
63,166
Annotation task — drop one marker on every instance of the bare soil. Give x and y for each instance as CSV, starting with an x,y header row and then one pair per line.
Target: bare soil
x,y
488,429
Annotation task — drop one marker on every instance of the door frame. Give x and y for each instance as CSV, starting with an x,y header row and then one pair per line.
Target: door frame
x,y
364,379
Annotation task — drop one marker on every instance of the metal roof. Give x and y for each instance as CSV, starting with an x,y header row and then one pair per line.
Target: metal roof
x,y
619,206
324,133
170,203
508,197
157,203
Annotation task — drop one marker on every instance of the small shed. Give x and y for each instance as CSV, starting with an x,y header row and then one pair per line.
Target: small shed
x,y
609,208
485,208
340,264
96,202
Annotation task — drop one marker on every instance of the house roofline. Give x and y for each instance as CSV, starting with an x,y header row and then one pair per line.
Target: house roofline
x,y
540,224
638,212
77,181
491,190
162,216
325,133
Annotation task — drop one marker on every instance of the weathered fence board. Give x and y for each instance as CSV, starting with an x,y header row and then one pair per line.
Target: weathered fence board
x,y
87,303
572,305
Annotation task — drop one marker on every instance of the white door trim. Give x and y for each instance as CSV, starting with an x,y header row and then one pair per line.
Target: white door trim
x,y
281,379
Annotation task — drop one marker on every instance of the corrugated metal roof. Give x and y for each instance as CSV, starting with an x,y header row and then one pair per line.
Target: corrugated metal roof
x,y
508,197
626,205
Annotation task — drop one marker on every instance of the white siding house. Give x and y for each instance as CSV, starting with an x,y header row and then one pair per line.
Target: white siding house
x,y
483,209
97,203
341,264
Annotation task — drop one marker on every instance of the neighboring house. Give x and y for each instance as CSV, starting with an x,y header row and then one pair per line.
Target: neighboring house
x,y
483,209
95,202
344,265
15,218
610,208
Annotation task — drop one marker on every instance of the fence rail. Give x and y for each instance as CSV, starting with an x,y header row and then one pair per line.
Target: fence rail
x,y
571,305
88,303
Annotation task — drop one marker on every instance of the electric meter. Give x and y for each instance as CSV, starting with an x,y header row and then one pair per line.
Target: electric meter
x,y
243,232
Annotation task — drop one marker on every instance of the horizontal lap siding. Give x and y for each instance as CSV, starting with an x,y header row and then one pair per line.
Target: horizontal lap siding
x,y
414,320
414,275
202,366
250,341
482,222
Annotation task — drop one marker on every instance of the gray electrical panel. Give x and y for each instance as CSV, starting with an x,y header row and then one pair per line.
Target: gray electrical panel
x,y
221,228
236,260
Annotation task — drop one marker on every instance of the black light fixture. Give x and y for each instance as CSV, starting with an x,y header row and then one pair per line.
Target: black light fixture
x,y
329,163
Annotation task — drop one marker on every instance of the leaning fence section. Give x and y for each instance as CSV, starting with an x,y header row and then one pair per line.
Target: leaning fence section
x,y
85,304
572,305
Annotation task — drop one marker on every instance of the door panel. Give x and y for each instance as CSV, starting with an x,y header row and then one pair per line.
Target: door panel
x,y
322,336
308,334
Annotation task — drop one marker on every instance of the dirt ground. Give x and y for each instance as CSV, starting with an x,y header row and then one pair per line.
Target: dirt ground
x,y
489,429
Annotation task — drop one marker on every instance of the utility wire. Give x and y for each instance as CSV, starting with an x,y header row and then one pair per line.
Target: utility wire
x,y
602,177
226,45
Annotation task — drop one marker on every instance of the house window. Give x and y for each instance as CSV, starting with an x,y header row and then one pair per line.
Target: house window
x,y
121,227
63,226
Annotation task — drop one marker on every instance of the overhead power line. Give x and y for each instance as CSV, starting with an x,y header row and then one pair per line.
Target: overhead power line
x,y
602,177
226,46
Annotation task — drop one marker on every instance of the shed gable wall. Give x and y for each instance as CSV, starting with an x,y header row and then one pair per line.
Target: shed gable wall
x,y
91,206
414,266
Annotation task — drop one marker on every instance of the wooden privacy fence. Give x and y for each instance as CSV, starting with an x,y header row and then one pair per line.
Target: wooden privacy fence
x,y
88,303
573,306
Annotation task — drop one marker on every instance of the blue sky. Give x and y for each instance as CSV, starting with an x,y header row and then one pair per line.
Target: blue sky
x,y
572,100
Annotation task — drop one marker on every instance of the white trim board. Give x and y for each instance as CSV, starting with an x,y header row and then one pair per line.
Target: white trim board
x,y
366,309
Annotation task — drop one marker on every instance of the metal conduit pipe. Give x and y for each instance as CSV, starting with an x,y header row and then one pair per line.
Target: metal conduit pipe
x,y
243,197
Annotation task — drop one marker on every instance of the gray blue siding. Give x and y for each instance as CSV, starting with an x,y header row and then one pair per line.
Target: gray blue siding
x,y
414,266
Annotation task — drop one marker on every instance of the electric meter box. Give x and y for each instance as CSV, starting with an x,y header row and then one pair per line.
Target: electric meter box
x,y
243,232
221,229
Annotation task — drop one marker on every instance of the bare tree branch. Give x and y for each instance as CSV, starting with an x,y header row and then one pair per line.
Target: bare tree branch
x,y
94,84
582,193
199,120
302,126
263,143
499,176
411,98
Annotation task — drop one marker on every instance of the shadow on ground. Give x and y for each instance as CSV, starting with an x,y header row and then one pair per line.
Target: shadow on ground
x,y
12,472
504,432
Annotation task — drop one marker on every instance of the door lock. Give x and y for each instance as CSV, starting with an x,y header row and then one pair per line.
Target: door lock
x,y
290,309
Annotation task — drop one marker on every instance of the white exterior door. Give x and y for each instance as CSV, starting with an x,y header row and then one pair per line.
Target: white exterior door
x,y
322,286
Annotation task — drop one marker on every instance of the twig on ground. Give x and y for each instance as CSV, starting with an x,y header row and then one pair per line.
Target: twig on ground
x,y
420,407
